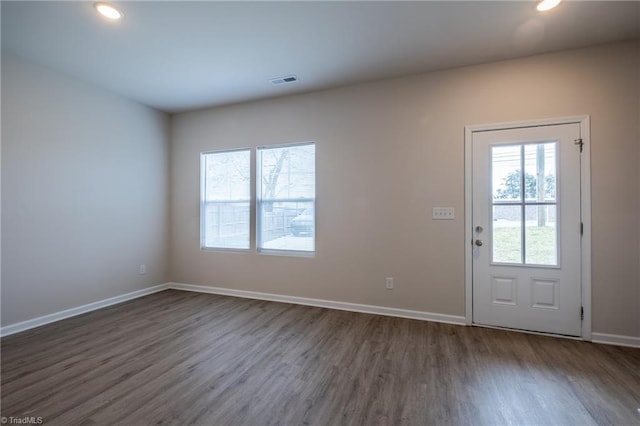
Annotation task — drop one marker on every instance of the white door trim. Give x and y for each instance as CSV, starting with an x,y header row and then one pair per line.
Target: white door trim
x,y
585,201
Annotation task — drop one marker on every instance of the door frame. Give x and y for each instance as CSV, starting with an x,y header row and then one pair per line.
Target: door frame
x,y
585,208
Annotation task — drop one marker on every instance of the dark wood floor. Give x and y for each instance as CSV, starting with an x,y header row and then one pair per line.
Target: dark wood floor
x,y
186,358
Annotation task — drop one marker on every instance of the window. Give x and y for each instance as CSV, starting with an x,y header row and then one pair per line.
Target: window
x,y
525,205
285,199
225,200
286,192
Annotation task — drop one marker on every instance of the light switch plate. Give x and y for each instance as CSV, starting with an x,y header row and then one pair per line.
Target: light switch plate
x,y
443,213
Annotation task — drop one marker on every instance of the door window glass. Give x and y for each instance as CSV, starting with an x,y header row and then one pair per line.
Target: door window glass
x,y
524,210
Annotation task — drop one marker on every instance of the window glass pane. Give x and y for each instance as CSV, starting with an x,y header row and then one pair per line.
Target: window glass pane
x,y
506,174
226,204
288,225
541,235
288,172
286,203
227,175
540,172
507,234
226,225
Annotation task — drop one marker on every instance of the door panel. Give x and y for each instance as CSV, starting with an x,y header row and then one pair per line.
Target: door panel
x,y
526,219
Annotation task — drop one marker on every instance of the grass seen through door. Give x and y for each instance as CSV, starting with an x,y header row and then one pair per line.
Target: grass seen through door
x,y
540,244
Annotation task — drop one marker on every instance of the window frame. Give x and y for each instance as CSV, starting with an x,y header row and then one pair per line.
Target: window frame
x,y
203,202
259,202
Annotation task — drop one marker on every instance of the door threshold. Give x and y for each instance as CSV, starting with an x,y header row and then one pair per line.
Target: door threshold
x,y
538,333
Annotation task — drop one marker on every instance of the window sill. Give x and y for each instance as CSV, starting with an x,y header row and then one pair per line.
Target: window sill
x,y
287,253
225,250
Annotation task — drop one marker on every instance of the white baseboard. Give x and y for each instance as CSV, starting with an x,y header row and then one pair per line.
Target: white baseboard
x,y
331,304
615,339
57,316
602,338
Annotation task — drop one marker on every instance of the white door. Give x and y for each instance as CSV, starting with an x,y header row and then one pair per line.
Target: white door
x,y
527,229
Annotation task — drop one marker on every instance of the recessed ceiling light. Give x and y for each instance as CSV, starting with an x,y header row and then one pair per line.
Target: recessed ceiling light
x,y
545,5
108,11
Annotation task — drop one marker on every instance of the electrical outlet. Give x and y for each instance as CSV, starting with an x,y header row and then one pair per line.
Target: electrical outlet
x,y
143,269
443,213
389,282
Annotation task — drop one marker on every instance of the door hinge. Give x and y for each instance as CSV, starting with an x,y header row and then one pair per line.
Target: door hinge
x,y
579,142
581,313
581,228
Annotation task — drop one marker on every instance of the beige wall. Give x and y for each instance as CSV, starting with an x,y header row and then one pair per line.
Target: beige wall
x,y
85,178
387,152
84,203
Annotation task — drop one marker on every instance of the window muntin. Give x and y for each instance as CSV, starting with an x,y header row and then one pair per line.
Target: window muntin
x,y
524,226
285,185
226,200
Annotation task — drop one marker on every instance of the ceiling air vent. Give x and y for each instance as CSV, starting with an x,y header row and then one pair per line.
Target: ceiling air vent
x,y
284,80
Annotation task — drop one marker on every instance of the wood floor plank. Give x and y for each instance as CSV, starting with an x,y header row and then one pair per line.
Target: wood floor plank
x,y
183,358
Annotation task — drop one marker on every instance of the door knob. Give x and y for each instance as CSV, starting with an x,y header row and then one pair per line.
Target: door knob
x,y
478,243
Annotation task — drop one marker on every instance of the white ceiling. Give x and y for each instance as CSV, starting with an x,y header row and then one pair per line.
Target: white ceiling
x,y
177,56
